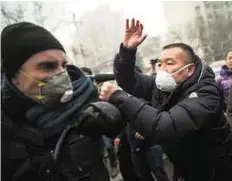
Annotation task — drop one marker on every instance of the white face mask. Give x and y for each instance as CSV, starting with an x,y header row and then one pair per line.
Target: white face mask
x,y
165,81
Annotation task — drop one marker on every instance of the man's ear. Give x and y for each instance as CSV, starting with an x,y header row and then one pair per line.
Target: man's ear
x,y
15,79
191,70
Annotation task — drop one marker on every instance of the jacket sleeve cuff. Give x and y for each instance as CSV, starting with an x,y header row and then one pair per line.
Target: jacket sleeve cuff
x,y
127,54
118,97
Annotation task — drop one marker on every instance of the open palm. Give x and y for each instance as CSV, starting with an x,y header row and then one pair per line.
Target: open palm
x,y
133,34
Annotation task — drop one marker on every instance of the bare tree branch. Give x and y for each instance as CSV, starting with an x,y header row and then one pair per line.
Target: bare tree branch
x,y
10,16
38,13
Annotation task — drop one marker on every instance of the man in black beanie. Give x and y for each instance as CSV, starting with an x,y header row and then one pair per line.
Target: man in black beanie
x,y
51,129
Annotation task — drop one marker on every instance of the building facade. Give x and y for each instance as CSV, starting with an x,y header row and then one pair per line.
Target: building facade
x,y
206,25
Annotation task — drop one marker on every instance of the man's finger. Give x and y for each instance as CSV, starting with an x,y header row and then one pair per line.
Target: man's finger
x,y
137,24
141,27
132,23
127,24
103,98
104,89
102,95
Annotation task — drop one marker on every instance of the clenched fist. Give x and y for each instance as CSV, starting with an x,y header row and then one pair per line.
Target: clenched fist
x,y
107,89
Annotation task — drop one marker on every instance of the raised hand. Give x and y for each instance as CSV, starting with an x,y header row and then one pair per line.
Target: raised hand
x,y
133,36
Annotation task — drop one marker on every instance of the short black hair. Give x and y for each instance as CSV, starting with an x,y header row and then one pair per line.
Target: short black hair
x,y
187,48
87,70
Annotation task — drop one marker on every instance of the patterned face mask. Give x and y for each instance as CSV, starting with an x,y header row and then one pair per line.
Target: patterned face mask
x,y
53,90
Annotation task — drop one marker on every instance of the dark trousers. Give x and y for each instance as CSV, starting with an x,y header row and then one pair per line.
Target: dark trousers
x,y
149,164
125,162
154,157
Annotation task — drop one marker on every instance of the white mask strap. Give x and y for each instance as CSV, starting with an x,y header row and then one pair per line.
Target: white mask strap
x,y
186,66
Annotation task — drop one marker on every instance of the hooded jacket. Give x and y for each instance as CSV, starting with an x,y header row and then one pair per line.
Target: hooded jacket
x,y
224,81
189,122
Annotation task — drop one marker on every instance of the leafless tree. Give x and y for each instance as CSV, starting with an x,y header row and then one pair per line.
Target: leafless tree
x,y
14,12
97,39
9,16
212,35
38,12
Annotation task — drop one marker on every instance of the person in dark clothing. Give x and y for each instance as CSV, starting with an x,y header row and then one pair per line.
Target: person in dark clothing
x,y
146,165
224,81
109,152
126,164
153,66
51,121
185,115
110,157
147,160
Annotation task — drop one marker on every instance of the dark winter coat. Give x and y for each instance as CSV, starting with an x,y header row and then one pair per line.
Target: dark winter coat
x,y
189,122
31,152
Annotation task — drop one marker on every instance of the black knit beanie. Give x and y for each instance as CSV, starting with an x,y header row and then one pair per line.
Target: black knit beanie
x,y
22,40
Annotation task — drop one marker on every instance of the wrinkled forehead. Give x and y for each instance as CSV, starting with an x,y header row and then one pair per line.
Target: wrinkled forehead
x,y
175,54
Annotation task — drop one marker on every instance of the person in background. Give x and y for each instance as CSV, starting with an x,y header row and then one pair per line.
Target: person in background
x,y
229,107
153,66
224,80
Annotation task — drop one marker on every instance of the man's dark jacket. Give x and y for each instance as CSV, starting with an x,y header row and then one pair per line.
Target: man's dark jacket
x,y
33,153
189,122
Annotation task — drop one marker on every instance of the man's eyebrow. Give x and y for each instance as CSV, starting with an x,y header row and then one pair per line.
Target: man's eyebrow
x,y
165,59
46,62
52,61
